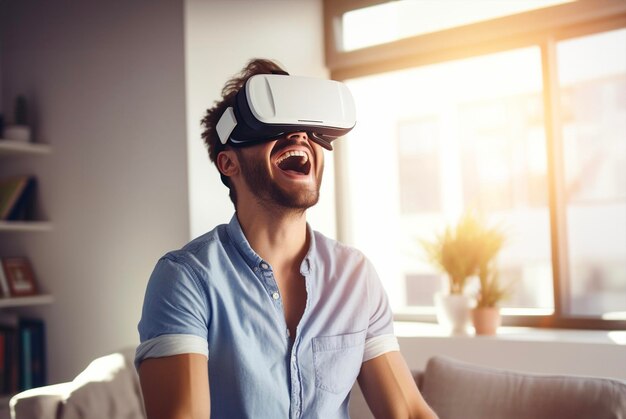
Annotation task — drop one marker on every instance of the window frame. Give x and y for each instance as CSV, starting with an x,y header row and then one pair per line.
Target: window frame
x,y
542,28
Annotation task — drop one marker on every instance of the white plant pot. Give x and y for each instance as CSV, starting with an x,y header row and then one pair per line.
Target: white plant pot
x,y
454,312
17,133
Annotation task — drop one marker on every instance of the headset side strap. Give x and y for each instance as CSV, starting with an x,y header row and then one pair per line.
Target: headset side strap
x,y
226,124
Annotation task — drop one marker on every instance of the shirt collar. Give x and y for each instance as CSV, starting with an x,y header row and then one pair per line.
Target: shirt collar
x,y
239,239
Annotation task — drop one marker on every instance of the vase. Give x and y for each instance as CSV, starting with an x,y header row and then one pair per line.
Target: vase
x,y
486,320
17,133
453,312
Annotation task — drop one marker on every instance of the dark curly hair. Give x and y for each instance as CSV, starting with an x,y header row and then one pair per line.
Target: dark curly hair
x,y
213,115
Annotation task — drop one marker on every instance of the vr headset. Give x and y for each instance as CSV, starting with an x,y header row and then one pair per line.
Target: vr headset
x,y
269,106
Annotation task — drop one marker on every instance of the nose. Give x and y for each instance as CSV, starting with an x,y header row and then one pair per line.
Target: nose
x,y
301,135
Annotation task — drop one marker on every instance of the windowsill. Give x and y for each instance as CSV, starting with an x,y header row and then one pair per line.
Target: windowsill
x,y
596,353
405,329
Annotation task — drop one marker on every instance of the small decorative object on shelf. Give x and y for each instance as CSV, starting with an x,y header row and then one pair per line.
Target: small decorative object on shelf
x,y
19,277
5,291
20,130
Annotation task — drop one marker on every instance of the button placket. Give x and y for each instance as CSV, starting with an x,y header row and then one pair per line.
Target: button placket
x,y
267,275
296,383
295,400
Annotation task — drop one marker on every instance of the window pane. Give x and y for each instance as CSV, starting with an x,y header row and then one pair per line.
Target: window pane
x,y
401,19
592,77
434,141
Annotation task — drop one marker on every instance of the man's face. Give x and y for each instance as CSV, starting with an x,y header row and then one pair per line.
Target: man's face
x,y
286,172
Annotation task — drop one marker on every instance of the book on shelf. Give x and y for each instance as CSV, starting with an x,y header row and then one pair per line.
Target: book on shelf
x,y
9,361
32,353
10,352
22,355
17,197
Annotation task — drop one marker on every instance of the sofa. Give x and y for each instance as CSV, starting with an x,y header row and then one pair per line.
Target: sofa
x,y
109,388
458,390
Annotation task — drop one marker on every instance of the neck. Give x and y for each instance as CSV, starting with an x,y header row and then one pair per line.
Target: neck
x,y
279,237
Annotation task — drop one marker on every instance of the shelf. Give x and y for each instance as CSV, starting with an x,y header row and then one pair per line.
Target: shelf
x,y
34,300
25,226
24,148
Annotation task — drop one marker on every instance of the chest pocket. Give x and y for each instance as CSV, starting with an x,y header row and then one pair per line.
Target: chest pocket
x,y
337,360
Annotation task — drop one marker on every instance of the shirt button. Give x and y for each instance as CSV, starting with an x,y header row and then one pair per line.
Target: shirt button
x,y
276,296
265,265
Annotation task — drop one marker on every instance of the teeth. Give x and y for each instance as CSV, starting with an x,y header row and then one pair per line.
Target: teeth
x,y
297,153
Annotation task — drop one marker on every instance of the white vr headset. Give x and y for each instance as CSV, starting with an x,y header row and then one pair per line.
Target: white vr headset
x,y
271,105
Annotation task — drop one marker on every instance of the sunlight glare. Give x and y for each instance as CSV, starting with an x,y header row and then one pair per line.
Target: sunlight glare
x,y
401,19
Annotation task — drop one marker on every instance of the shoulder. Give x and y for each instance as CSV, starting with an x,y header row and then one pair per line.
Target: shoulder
x,y
327,246
194,260
333,251
217,238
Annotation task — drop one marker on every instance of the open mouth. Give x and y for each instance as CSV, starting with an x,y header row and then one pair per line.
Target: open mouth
x,y
295,162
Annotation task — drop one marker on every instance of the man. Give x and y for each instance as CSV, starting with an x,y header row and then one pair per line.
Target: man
x,y
264,317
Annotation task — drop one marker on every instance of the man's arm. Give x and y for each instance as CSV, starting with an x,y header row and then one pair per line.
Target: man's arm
x,y
390,390
176,387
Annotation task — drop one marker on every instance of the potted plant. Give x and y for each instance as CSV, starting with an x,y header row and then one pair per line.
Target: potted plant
x,y
453,252
486,315
462,251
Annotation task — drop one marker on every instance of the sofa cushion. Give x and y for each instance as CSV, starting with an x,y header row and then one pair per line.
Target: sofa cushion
x,y
107,389
458,390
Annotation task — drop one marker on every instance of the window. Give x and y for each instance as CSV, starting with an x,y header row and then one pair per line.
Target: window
x,y
527,127
451,136
592,95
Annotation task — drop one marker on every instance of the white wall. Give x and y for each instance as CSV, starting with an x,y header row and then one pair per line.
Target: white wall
x,y
107,83
220,37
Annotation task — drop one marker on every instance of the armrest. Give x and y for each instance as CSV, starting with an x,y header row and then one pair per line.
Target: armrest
x,y
41,402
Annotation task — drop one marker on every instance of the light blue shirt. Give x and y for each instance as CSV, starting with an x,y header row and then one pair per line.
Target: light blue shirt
x,y
217,297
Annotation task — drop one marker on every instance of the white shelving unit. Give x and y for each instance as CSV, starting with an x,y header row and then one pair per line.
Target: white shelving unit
x,y
20,147
12,150
25,226
34,300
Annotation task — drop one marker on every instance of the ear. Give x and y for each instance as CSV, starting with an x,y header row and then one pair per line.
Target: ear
x,y
227,163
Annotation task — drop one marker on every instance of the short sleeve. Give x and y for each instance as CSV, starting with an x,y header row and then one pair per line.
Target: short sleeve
x,y
380,337
175,314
